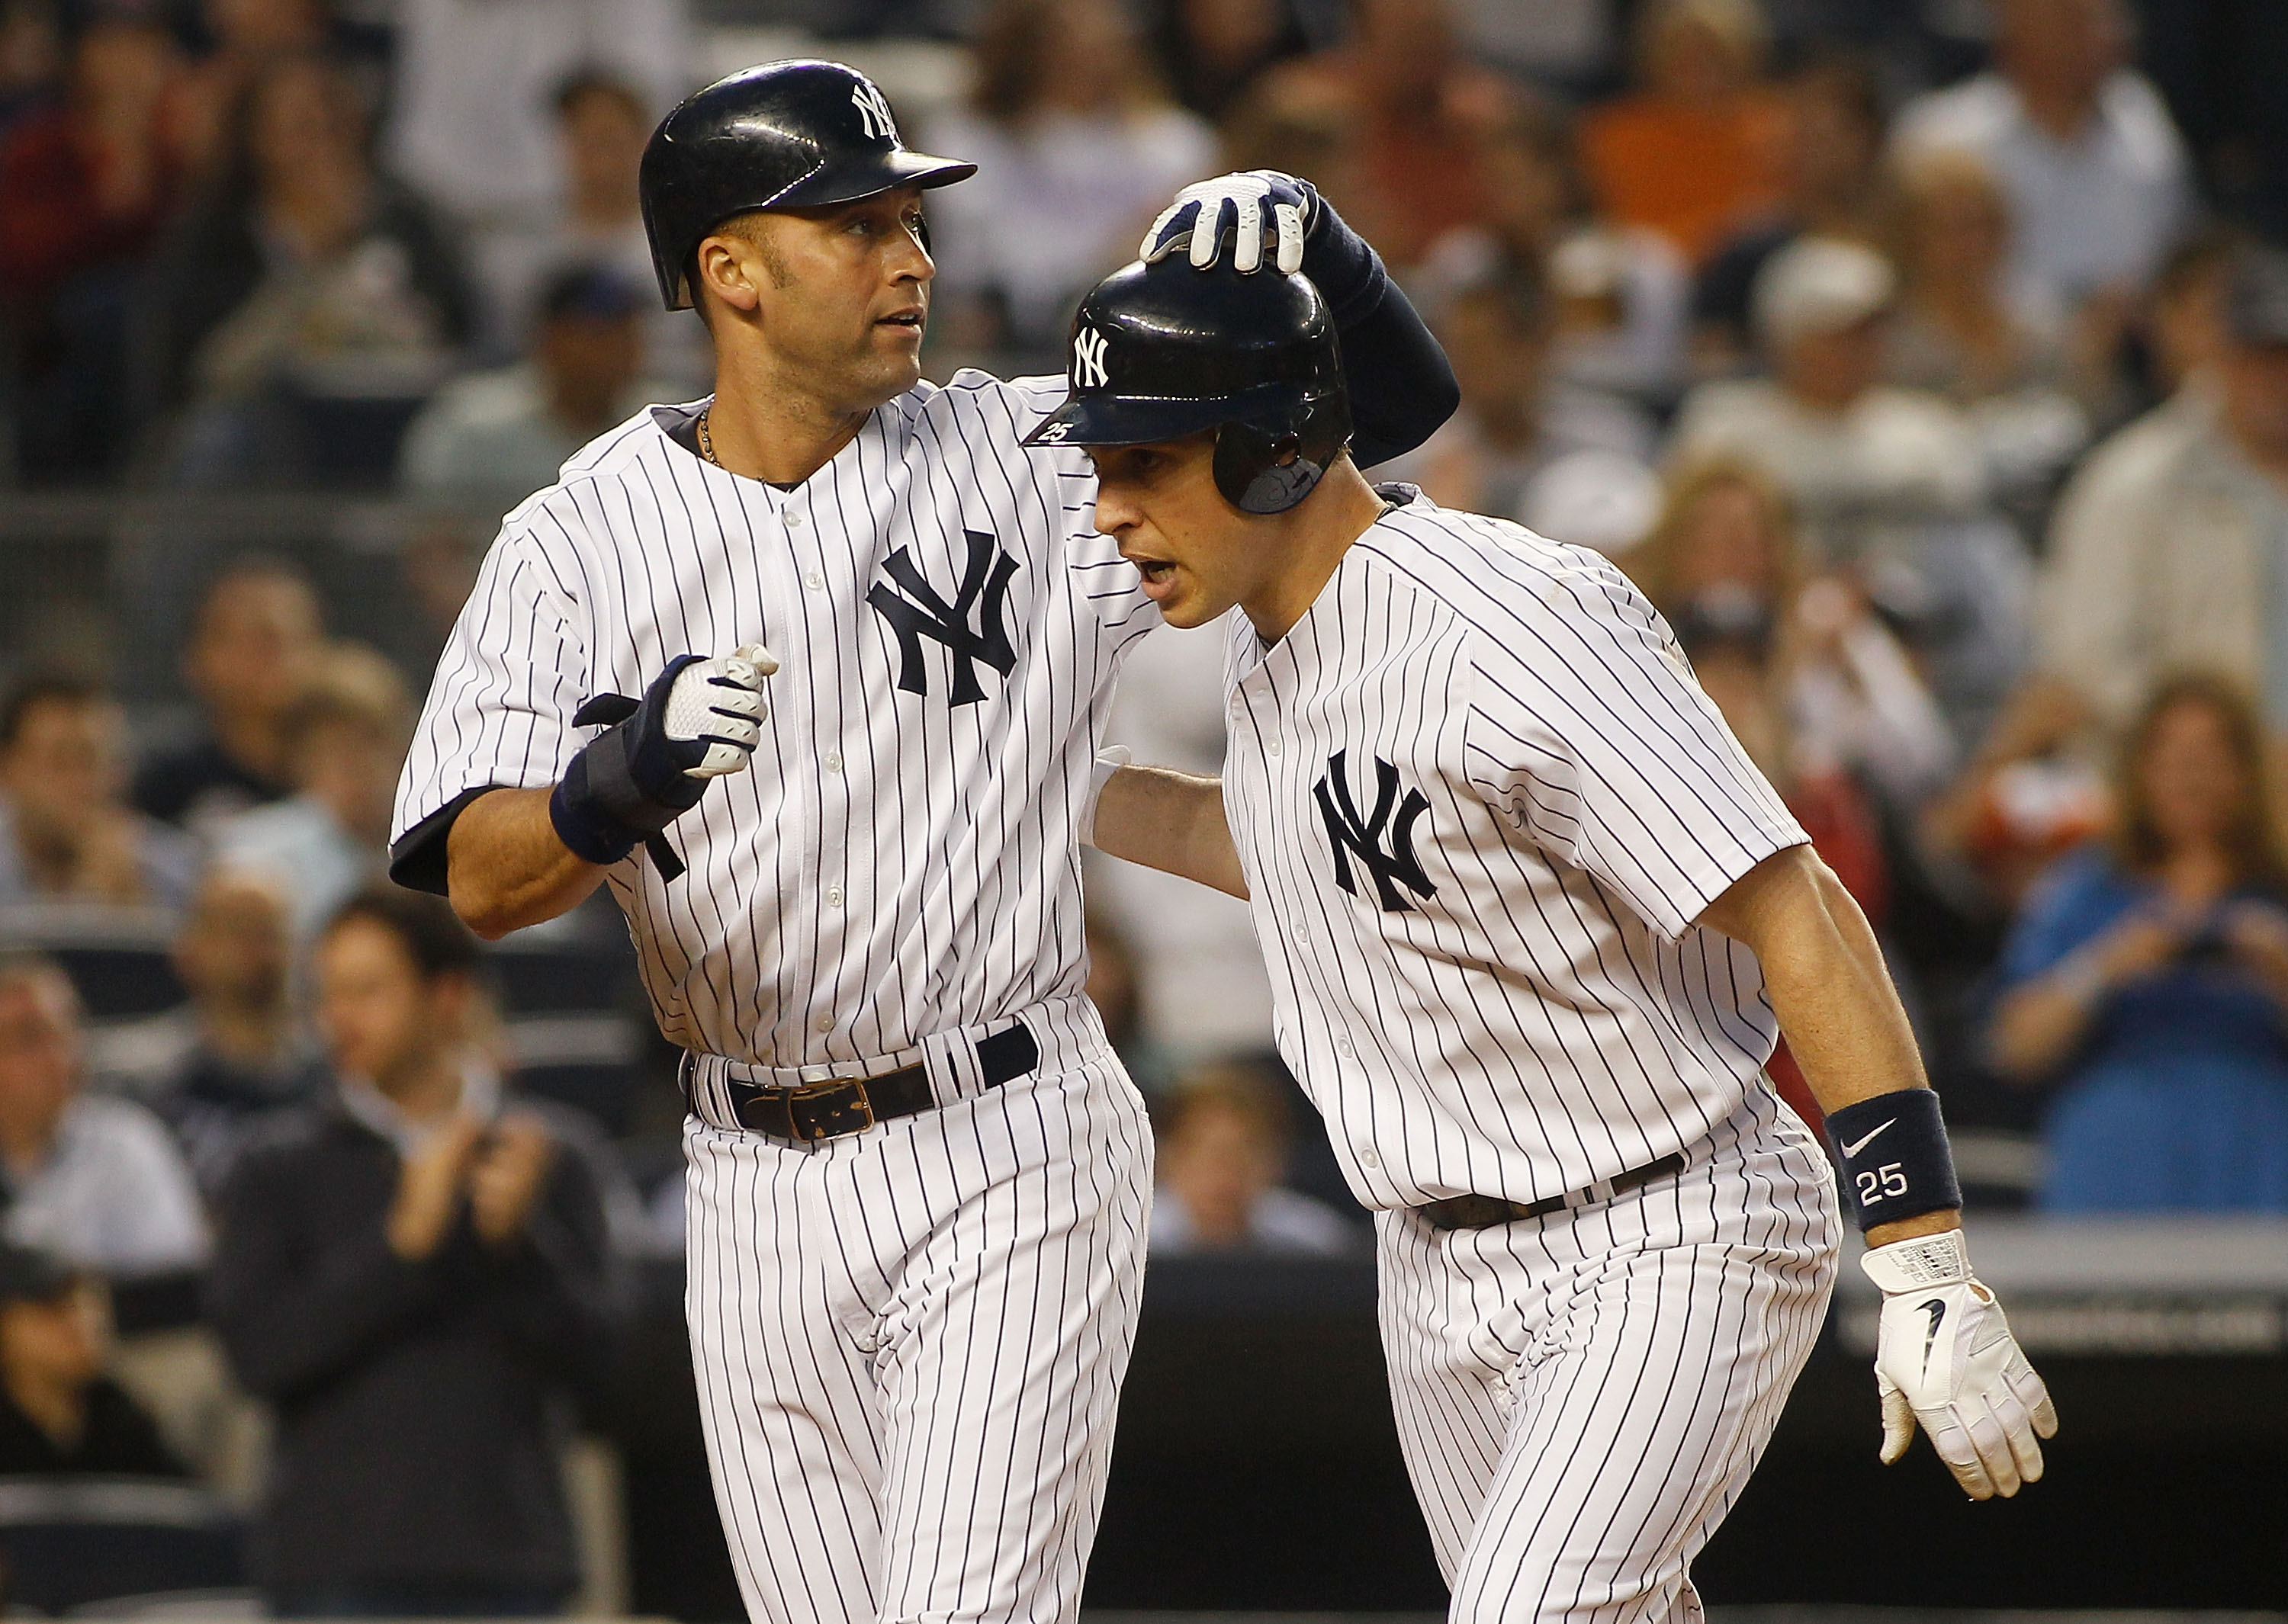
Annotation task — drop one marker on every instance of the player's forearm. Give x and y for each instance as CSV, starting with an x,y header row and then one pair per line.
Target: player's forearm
x,y
506,866
1169,821
1402,385
1827,982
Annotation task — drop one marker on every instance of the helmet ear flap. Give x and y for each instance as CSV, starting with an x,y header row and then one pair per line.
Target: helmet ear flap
x,y
1270,465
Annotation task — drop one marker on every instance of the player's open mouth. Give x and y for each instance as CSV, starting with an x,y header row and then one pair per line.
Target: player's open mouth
x,y
903,318
1159,575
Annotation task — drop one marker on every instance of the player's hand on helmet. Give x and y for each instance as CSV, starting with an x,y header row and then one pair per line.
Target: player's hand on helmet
x,y
1267,207
700,719
1945,1358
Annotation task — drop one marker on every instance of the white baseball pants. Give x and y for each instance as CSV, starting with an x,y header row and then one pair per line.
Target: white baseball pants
x,y
909,1342
1581,1397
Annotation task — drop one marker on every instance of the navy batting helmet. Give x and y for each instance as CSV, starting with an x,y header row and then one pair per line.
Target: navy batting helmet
x,y
1162,352
786,135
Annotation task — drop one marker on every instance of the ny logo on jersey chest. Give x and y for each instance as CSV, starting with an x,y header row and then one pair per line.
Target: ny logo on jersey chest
x,y
1366,838
915,610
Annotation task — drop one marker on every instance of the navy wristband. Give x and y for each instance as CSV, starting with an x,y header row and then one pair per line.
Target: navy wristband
x,y
585,830
1896,1162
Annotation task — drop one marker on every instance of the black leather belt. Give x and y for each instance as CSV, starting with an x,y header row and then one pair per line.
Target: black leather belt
x,y
852,1105
1485,1211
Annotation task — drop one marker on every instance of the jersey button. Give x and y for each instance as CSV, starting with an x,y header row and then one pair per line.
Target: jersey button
x,y
1346,1048
1367,1158
793,519
825,1023
1273,747
834,761
814,581
834,896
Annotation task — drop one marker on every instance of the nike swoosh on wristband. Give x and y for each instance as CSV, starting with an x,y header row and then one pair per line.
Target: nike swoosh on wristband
x,y
1936,1309
1853,1149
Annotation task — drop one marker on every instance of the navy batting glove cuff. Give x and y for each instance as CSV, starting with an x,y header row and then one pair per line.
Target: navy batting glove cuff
x,y
629,782
584,828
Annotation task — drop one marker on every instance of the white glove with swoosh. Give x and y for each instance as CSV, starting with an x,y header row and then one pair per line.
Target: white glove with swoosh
x,y
1944,1357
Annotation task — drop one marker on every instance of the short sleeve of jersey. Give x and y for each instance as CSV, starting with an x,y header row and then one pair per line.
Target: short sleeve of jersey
x,y
1586,727
512,673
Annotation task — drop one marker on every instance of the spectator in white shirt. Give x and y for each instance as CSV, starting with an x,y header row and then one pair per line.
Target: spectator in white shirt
x,y
475,114
2098,179
346,741
1076,148
1847,448
1223,1139
1888,483
94,1179
2170,548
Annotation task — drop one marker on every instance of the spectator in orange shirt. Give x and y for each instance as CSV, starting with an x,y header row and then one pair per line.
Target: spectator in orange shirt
x,y
1698,152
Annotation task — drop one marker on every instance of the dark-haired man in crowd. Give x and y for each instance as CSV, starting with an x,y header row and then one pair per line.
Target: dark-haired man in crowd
x,y
60,1414
65,836
506,433
255,640
411,1274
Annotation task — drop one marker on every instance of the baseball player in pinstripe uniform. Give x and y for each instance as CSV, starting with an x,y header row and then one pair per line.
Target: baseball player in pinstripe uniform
x,y
1532,921
874,638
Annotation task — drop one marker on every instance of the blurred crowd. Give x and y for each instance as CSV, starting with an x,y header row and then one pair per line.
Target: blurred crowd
x,y
1927,365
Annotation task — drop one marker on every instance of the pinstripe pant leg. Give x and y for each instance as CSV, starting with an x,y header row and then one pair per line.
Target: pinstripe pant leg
x,y
785,1394
1661,1332
1004,1353
1448,1377
1657,1371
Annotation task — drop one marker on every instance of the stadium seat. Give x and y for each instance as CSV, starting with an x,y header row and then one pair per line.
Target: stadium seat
x,y
579,1058
70,1542
119,958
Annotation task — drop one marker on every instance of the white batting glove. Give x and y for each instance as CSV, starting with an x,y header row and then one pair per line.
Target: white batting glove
x,y
1264,202
1944,1357
721,701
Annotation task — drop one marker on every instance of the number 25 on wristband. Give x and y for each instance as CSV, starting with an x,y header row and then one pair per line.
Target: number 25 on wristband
x,y
1888,1180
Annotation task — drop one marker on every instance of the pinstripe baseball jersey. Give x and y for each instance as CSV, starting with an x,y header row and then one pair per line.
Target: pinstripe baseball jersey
x,y
899,859
1480,800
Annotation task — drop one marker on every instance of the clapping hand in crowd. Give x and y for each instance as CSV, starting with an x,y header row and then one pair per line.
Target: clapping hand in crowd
x,y
497,1168
2256,935
506,1175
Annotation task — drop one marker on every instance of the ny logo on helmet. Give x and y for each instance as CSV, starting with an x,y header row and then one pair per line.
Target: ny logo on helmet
x,y
874,108
1088,358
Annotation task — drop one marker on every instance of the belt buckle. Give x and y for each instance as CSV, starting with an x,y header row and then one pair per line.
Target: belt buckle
x,y
852,1113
